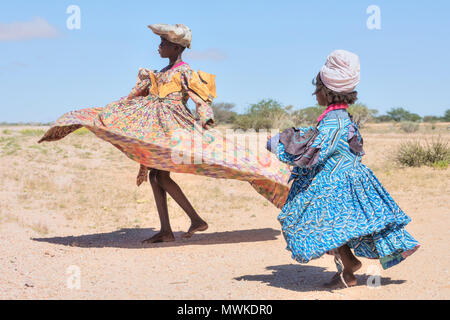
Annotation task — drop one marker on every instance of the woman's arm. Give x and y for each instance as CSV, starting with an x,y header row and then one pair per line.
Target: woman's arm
x,y
142,175
310,154
198,93
143,83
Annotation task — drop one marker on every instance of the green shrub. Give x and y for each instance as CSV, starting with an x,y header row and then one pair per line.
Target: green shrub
x,y
400,114
409,127
308,116
415,154
266,114
410,154
441,165
361,114
383,118
437,151
223,112
446,116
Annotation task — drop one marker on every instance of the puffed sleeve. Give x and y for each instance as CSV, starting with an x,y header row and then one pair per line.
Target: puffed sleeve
x,y
143,84
200,93
355,140
318,151
279,149
284,156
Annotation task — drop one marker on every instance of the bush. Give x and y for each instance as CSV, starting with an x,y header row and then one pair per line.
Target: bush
x,y
431,119
441,165
400,114
409,127
266,114
437,151
411,154
383,118
415,154
446,116
361,114
223,112
308,115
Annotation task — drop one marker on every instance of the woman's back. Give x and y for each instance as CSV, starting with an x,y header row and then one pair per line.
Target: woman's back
x,y
337,154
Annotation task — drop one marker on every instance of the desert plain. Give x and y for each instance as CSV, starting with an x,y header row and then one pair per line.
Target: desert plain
x,y
72,221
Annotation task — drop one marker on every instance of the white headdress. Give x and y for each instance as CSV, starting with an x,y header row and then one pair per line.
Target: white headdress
x,y
178,33
341,72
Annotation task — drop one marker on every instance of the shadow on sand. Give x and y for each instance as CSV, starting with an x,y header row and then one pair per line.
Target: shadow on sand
x,y
132,238
304,278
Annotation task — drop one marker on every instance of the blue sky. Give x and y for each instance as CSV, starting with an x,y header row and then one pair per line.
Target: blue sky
x,y
257,49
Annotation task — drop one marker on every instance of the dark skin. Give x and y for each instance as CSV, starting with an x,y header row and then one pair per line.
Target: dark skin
x,y
161,182
350,262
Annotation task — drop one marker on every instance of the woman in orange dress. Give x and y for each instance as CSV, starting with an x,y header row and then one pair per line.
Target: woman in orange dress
x,y
153,126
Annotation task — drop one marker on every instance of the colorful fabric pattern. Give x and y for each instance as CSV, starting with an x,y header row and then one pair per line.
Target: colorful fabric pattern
x,y
340,201
154,127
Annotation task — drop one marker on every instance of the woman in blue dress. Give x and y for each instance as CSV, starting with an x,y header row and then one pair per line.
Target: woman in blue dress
x,y
336,203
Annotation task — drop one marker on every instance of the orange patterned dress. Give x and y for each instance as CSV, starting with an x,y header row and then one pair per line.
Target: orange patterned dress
x,y
154,127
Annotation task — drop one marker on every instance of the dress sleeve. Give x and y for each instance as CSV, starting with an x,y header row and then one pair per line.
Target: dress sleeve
x,y
355,140
200,95
284,156
143,84
326,141
279,148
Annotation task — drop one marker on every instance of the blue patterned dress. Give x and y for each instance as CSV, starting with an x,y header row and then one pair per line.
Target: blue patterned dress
x,y
340,201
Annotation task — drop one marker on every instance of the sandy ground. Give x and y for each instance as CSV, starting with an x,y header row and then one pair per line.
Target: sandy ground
x,y
72,221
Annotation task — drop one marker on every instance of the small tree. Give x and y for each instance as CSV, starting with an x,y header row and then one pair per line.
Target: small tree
x,y
400,114
308,115
446,117
383,118
265,114
223,112
361,114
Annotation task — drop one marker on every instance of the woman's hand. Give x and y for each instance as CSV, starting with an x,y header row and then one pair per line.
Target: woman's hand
x,y
142,175
208,125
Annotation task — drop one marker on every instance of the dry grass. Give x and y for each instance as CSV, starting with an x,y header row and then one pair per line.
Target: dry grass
x,y
70,178
83,185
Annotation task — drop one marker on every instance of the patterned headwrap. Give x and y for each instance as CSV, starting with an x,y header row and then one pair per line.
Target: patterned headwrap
x,y
178,33
341,72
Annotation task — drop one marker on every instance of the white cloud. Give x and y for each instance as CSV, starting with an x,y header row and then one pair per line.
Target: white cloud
x,y
208,54
35,29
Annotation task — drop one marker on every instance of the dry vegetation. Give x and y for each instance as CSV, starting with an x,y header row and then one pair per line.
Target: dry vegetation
x,y
74,202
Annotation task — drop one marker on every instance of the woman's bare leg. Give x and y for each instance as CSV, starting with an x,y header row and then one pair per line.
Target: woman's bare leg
x,y
350,265
171,187
166,234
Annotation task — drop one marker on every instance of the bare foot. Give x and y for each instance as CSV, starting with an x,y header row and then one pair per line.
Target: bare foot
x,y
342,281
355,267
196,226
161,237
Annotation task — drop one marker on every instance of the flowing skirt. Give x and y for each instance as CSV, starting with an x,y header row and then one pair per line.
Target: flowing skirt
x,y
325,211
163,134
